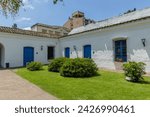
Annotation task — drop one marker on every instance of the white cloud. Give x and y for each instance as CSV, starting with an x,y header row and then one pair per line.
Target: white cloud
x,y
46,0
27,28
39,1
27,5
23,19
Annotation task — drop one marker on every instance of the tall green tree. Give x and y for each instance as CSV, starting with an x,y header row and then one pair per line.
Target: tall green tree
x,y
12,6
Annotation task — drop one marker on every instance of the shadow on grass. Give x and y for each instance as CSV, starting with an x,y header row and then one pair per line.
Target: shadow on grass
x,y
38,70
96,75
141,82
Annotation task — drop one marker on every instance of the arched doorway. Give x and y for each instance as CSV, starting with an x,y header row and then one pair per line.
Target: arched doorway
x,y
1,55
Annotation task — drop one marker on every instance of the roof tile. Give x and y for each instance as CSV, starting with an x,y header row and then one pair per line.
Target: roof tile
x,y
26,32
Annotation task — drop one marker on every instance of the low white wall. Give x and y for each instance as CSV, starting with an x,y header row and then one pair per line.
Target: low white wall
x,y
14,44
102,43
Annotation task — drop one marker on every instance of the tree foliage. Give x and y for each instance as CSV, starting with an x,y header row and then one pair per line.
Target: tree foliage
x,y
55,1
12,6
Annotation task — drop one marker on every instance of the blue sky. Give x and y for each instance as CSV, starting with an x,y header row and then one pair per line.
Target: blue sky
x,y
44,11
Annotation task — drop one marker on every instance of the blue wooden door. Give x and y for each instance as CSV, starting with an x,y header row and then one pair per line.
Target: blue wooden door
x,y
87,51
28,55
67,52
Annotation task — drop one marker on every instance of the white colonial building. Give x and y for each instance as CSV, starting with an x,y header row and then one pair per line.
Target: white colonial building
x,y
109,43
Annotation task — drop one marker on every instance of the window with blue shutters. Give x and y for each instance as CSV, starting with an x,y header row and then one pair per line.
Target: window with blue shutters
x,y
120,51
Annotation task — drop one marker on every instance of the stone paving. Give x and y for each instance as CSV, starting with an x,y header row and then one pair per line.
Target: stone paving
x,y
13,87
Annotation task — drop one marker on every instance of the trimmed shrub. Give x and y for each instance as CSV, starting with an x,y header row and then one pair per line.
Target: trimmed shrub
x,y
134,71
79,67
34,66
56,64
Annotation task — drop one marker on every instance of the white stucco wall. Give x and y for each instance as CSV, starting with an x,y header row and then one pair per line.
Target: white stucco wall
x,y
102,43
100,40
14,44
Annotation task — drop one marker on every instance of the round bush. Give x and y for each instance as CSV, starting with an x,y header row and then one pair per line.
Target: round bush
x,y
134,71
33,66
56,64
79,67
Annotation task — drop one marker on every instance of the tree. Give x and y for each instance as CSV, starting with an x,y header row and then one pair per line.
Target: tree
x,y
12,6
14,26
55,1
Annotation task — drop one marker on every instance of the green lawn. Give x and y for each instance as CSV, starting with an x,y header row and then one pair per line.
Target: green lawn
x,y
107,86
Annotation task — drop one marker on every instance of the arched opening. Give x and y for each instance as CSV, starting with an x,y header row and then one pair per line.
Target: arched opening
x,y
2,55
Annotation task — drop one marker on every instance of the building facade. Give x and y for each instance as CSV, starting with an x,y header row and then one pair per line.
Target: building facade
x,y
111,47
77,20
52,30
109,43
18,47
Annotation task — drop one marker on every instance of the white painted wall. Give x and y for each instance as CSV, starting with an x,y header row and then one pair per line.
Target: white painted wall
x,y
100,40
14,44
102,43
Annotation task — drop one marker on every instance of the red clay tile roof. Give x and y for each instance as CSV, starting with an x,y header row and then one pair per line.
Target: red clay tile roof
x,y
26,32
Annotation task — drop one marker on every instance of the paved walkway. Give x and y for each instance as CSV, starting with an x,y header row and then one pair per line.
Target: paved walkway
x,y
13,87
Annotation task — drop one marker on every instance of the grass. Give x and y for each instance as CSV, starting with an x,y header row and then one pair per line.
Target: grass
x,y
106,86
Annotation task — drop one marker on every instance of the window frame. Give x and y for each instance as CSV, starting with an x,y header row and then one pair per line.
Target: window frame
x,y
123,57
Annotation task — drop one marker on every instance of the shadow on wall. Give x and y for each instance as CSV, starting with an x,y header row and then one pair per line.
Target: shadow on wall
x,y
104,59
141,55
